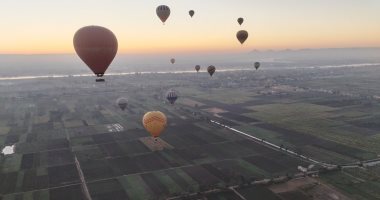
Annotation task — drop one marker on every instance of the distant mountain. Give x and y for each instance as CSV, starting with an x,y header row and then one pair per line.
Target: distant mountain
x,y
360,49
328,55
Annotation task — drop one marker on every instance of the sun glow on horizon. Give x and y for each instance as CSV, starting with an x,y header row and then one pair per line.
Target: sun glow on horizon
x,y
49,28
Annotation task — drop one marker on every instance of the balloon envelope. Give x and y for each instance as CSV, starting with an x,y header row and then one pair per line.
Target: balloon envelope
x,y
240,20
242,36
155,122
172,60
191,13
122,102
171,96
97,47
211,70
163,12
257,65
197,68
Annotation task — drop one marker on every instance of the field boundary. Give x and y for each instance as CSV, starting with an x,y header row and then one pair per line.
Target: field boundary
x,y
371,162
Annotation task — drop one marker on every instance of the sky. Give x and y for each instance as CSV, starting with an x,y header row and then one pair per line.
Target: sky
x,y
47,26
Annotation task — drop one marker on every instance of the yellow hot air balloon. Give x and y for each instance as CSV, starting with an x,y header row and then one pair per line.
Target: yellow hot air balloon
x,y
155,122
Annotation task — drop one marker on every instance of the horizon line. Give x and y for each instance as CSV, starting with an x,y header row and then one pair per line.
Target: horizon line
x,y
202,52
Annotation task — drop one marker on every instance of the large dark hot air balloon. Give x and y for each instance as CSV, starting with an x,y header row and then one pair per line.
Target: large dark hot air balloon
x,y
257,65
97,47
191,13
197,68
171,96
240,20
163,12
242,36
211,70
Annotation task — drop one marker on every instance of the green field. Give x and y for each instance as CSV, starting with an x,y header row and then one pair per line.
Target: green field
x,y
50,129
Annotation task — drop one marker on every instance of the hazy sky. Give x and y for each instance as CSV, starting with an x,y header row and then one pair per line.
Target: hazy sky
x,y
47,26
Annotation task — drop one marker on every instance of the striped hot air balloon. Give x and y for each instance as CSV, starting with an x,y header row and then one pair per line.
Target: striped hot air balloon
x,y
171,96
163,12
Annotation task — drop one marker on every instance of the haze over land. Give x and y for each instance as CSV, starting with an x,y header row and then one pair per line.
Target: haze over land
x,y
69,64
285,106
328,115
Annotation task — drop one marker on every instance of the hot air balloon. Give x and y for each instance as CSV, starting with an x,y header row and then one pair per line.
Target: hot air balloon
x,y
197,68
211,70
172,60
240,20
171,96
97,47
191,13
242,36
154,122
257,65
163,12
122,102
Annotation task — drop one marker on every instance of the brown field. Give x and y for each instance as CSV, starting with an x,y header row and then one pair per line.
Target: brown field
x,y
215,110
191,103
155,144
307,188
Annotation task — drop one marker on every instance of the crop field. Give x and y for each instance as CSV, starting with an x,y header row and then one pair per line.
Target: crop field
x,y
51,131
119,164
355,183
344,133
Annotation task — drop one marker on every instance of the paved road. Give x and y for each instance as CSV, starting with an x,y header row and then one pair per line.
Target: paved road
x,y
368,163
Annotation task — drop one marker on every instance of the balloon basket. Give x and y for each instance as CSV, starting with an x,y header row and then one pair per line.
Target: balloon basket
x,y
155,144
100,80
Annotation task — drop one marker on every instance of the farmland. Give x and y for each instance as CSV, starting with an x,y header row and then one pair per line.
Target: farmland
x,y
54,122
